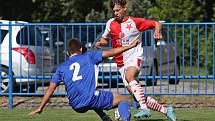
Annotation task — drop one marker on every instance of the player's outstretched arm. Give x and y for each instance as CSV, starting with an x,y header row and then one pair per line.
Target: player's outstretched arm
x,y
115,51
101,43
46,97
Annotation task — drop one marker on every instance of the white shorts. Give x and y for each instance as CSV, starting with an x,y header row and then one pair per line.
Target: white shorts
x,y
134,63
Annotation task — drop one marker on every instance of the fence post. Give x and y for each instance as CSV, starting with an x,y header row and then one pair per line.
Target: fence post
x,y
10,96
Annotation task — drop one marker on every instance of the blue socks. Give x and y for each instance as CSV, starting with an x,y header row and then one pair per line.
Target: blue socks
x,y
124,111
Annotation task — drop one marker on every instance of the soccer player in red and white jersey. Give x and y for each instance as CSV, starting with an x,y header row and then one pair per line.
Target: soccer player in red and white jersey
x,y
123,30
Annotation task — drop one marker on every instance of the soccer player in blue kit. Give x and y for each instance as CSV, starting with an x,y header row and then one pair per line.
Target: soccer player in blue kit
x,y
79,77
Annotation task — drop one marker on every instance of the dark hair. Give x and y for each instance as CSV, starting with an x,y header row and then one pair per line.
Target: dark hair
x,y
73,45
118,2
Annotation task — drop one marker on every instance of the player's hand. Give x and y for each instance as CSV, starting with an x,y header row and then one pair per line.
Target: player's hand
x,y
37,111
98,45
135,43
157,35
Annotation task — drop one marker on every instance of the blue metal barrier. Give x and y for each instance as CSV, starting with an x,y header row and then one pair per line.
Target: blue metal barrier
x,y
182,63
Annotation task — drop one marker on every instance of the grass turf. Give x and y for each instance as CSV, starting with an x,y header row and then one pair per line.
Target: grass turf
x,y
195,114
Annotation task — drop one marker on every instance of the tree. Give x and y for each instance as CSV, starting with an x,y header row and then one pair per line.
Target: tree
x,y
177,10
48,11
139,8
64,10
95,16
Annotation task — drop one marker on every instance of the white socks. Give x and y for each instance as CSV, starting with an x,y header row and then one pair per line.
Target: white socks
x,y
138,92
154,105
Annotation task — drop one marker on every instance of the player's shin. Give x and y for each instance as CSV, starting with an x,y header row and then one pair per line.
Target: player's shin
x,y
124,110
154,105
138,92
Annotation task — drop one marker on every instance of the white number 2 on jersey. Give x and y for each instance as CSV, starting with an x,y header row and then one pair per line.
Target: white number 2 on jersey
x,y
76,68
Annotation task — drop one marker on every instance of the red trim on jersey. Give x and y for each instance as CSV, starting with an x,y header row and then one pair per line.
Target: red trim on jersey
x,y
116,35
139,62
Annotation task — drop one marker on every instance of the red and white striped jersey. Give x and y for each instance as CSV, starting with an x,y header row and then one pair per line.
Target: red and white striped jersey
x,y
122,34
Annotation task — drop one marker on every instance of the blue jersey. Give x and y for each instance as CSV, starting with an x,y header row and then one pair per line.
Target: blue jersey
x,y
79,78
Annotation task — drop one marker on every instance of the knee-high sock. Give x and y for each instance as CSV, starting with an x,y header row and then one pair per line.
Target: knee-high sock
x,y
138,93
124,111
154,105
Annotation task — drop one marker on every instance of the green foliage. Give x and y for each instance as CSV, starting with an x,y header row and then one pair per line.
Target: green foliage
x,y
95,16
177,10
48,11
209,49
139,8
64,10
80,8
195,41
90,10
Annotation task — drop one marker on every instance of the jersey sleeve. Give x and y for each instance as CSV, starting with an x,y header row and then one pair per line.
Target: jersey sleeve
x,y
57,78
107,29
144,24
95,56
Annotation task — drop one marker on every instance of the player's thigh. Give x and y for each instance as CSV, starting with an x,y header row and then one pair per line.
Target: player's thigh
x,y
132,67
131,73
122,71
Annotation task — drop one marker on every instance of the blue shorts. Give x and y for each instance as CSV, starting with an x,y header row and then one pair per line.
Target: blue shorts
x,y
102,100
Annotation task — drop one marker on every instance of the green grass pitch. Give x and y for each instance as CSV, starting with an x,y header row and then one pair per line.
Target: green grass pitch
x,y
54,114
